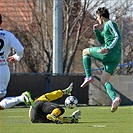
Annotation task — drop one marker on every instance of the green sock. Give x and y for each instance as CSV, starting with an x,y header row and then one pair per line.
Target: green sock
x,y
87,65
110,90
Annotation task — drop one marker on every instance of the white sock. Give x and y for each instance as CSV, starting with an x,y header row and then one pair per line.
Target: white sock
x,y
9,102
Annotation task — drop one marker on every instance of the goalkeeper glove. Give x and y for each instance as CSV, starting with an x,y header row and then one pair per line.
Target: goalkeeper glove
x,y
76,114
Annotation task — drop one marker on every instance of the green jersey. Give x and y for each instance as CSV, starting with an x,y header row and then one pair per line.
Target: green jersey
x,y
111,39
110,36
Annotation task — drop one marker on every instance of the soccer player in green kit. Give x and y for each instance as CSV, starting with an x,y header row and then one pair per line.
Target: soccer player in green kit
x,y
109,54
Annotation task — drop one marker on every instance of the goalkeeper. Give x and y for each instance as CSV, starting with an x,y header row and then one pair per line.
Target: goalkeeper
x,y
46,111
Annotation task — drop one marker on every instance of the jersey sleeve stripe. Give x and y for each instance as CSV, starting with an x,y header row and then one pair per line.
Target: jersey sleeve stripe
x,y
116,35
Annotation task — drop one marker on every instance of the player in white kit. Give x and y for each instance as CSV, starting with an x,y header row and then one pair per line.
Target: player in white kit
x,y
8,41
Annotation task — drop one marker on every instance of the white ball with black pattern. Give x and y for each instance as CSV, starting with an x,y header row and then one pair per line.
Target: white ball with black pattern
x,y
71,102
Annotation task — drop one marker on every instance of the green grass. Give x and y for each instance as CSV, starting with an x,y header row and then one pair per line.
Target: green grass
x,y
94,119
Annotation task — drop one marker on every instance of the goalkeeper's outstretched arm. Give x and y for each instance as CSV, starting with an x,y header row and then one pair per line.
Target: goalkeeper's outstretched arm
x,y
74,118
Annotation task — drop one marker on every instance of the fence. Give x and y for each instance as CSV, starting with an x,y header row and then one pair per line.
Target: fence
x,y
95,94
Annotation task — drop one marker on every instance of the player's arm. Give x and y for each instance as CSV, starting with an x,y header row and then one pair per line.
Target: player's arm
x,y
98,35
19,49
72,118
113,32
112,27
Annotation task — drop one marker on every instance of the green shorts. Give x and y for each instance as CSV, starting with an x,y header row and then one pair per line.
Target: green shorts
x,y
110,60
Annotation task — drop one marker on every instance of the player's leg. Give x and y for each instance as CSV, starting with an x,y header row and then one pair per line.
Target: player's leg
x,y
51,96
108,86
87,62
110,63
4,80
9,102
26,98
86,59
87,54
110,91
68,90
56,94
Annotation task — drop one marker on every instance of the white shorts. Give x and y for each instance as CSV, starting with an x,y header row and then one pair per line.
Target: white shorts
x,y
4,79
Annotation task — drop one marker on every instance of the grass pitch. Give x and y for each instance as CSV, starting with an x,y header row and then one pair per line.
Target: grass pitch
x,y
94,119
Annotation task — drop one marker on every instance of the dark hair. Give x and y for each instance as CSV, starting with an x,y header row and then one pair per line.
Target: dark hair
x,y
102,11
0,19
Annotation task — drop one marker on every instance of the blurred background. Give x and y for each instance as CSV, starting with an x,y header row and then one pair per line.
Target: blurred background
x,y
32,22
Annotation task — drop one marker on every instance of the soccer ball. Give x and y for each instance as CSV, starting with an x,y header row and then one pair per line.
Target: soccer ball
x,y
71,102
